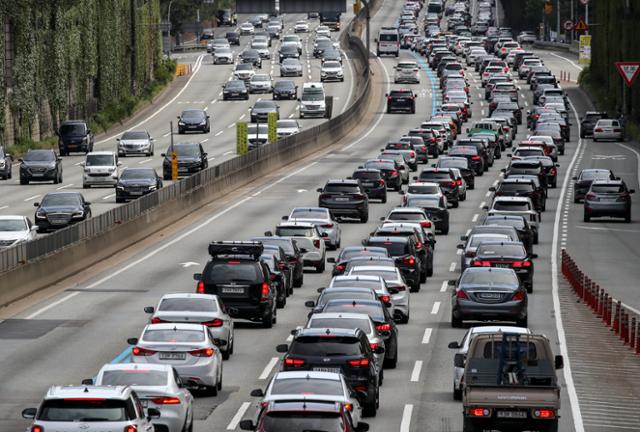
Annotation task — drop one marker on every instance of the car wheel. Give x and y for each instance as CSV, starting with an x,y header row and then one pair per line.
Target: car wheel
x,y
119,200
280,303
627,217
364,218
370,406
85,186
320,268
415,286
455,322
423,275
219,385
267,322
445,230
24,181
587,218
456,204
430,268
576,200
457,393
212,390
392,363
166,177
469,426
384,199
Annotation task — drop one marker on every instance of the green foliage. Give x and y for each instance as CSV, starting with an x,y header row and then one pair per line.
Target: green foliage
x,y
523,14
21,145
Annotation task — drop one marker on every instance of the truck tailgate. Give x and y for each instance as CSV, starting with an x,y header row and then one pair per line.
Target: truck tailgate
x,y
512,396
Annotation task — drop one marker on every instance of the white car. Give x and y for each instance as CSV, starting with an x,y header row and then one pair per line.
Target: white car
x,y
247,28
321,218
287,127
135,142
257,135
205,309
100,169
157,386
260,83
323,31
463,348
189,348
301,27
407,72
471,246
375,283
608,129
395,283
223,56
244,71
263,49
309,240
15,230
331,71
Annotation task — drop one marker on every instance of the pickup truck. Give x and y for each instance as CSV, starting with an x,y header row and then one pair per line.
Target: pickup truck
x,y
510,384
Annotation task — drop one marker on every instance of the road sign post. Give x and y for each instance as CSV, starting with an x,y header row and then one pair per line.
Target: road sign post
x,y
173,155
242,138
272,127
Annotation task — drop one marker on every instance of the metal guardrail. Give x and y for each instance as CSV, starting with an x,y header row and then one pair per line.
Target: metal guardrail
x,y
39,248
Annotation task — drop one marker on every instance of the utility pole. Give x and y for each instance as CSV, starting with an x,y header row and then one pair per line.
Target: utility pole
x,y
169,31
573,35
368,46
558,20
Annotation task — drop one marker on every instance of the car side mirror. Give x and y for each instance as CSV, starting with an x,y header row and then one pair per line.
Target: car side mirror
x,y
331,260
451,282
178,117
460,246
454,345
87,203
533,256
257,393
163,154
153,413
149,309
485,207
310,304
415,177
36,204
132,341
632,191
458,360
282,348
197,277
34,228
401,192
319,190
492,189
362,427
504,170
559,362
247,425
87,381
220,342
29,413
20,160
509,155
268,233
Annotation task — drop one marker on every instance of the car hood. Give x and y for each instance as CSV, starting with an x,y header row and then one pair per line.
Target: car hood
x,y
326,69
13,235
136,182
134,142
60,209
192,121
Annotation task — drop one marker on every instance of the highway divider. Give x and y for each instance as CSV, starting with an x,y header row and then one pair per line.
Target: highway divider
x,y
32,266
623,320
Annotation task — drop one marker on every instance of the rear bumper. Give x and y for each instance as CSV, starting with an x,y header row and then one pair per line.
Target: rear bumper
x,y
606,209
508,311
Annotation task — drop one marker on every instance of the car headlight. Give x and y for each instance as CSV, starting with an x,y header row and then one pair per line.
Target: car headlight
x,y
152,187
2,163
121,188
77,214
203,122
180,123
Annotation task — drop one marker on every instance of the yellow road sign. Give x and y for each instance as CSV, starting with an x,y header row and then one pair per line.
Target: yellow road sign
x,y
581,25
242,138
272,127
548,8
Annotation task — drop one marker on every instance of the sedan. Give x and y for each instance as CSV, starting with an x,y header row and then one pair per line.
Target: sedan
x,y
287,127
252,57
435,206
223,56
395,284
608,198
135,142
194,120
321,217
488,294
235,89
301,27
503,254
61,209
205,309
260,83
191,159
15,230
6,162
190,348
157,386
262,108
288,51
247,28
285,89
607,129
135,182
40,165
290,67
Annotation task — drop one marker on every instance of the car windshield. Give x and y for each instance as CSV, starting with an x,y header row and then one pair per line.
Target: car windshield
x,y
137,174
188,304
135,136
511,205
295,421
313,94
492,250
341,323
244,67
39,156
235,84
260,77
254,129
341,188
173,335
603,188
307,386
489,277
72,129
291,62
287,124
264,104
325,345
186,150
99,160
12,225
134,377
233,271
193,115
85,410
431,202
58,199
331,65
309,214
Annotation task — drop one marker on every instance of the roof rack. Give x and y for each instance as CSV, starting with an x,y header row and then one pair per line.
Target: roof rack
x,y
253,249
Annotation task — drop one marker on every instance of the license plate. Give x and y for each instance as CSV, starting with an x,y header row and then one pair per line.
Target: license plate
x,y
503,265
367,184
172,356
342,199
136,192
490,295
512,414
37,174
232,290
401,100
57,222
235,94
321,369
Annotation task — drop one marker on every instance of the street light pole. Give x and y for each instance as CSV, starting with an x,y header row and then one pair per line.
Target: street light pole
x,y
368,16
169,31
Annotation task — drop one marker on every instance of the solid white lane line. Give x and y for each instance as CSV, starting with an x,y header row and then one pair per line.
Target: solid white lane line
x,y
65,186
474,219
242,116
206,108
452,267
227,153
109,196
405,424
79,163
267,369
239,414
427,335
211,158
435,308
289,338
443,287
567,60
31,198
415,374
488,194
495,183
219,133
468,232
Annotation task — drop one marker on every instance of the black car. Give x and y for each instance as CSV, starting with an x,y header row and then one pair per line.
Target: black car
x,y
74,135
61,209
403,250
321,46
5,164
526,167
435,207
235,89
346,350
511,255
233,38
403,100
194,120
521,188
550,168
513,107
582,183
288,51
285,89
463,164
236,274
40,165
372,181
278,279
447,181
135,182
226,17
588,122
252,57
389,169
423,244
478,158
260,110
430,141
519,223
191,159
292,252
348,253
345,198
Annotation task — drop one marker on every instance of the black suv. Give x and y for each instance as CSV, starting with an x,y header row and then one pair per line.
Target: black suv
x,y
285,89
191,159
521,188
588,122
194,120
233,38
372,181
423,244
447,181
403,100
135,182
236,274
404,251
346,351
74,135
345,198
40,165
389,169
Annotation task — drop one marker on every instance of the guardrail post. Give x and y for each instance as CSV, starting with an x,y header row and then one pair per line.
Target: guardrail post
x,y
633,333
606,309
600,311
616,318
638,340
624,326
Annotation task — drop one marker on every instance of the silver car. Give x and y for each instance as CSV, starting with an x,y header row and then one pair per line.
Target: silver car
x,y
290,67
331,71
322,219
223,56
309,240
287,127
157,386
407,72
135,142
189,348
260,83
396,285
110,408
463,348
608,129
608,198
471,246
244,71
192,308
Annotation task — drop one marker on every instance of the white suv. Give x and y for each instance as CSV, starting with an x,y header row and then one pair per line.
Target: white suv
x,y
98,408
100,169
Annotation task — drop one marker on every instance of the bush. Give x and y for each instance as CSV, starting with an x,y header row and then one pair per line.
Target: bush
x,y
22,145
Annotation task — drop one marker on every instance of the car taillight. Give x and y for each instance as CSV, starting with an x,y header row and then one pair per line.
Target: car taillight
x,y
424,148
131,428
461,72
381,183
316,244
506,70
617,130
522,264
293,260
425,224
290,361
460,294
623,196
598,130
265,291
393,173
213,323
518,296
452,184
137,351
536,116
156,320
348,406
166,400
480,412
433,140
384,298
459,182
413,154
506,128
475,157
383,327
544,413
36,428
282,265
480,263
329,225
204,352
200,288
590,196
409,260
359,363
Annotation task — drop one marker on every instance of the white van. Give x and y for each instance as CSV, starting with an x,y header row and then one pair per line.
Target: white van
x,y
100,169
388,42
312,100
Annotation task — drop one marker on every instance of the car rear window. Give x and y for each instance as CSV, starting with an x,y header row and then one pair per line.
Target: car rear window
x,y
424,202
233,271
340,187
173,335
516,251
86,410
326,345
423,189
522,170
353,283
342,323
367,175
435,175
302,421
511,205
516,187
591,175
308,214
137,377
294,232
394,248
188,304
479,238
607,188
307,386
374,311
489,278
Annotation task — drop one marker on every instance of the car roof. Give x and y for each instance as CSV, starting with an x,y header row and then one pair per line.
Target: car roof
x,y
373,268
309,374
339,315
190,296
104,152
497,329
88,392
12,217
512,199
137,366
344,181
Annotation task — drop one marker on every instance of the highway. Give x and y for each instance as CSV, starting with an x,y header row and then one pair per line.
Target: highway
x,y
67,332
200,90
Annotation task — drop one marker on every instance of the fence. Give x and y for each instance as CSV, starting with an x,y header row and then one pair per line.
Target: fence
x,y
623,320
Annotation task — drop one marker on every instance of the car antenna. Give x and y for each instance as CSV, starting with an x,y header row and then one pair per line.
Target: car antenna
x,y
86,390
